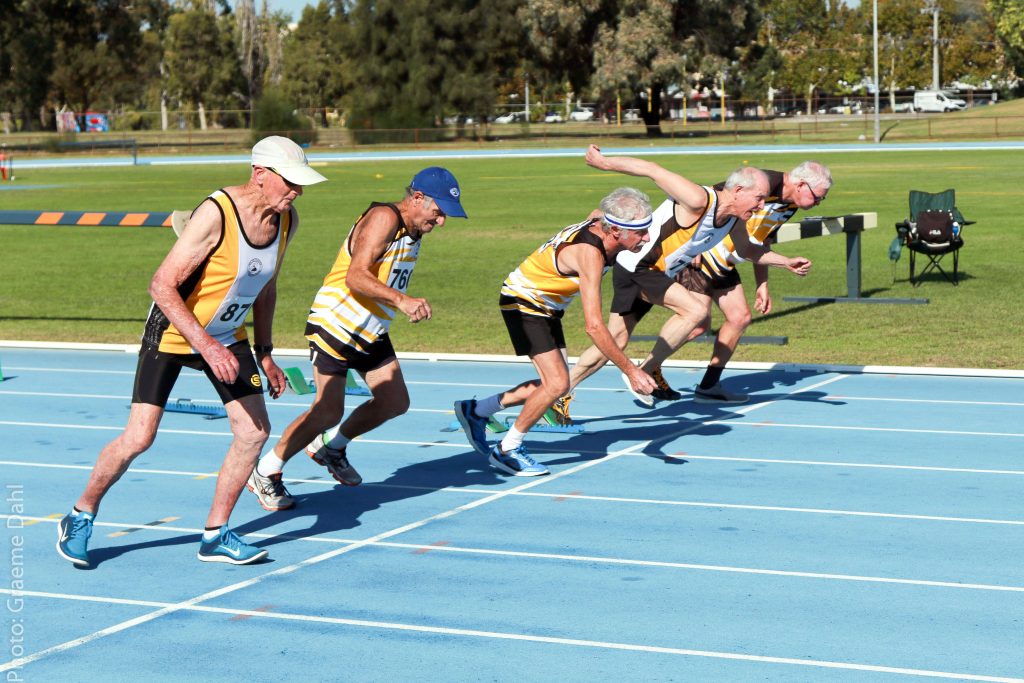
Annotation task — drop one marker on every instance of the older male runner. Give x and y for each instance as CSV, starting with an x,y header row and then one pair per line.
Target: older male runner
x,y
534,298
348,328
692,220
224,264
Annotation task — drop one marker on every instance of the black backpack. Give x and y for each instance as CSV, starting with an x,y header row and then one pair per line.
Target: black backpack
x,y
934,227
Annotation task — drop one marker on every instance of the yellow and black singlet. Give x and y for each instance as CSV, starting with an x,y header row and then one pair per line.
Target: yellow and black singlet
x,y
719,260
537,286
222,289
673,246
341,320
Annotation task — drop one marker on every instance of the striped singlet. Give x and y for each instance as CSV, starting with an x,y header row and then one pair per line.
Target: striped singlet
x,y
537,286
673,246
222,289
719,260
342,321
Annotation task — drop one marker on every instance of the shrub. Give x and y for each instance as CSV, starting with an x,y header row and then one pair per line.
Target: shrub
x,y
274,114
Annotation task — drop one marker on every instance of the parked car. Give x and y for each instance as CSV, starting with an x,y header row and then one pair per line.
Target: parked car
x,y
936,100
582,114
511,117
553,117
631,115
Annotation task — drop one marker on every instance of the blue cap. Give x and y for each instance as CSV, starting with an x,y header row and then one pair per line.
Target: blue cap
x,y
441,186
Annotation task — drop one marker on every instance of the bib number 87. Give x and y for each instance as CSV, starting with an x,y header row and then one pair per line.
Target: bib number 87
x,y
235,312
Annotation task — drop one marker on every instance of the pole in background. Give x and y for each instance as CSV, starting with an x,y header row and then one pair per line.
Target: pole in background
x,y
874,35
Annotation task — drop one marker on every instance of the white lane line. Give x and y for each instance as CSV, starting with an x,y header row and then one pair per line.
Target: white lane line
x,y
904,430
787,573
117,628
925,400
620,499
522,637
831,463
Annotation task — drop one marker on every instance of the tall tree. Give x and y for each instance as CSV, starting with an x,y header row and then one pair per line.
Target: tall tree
x,y
653,44
1009,25
414,61
199,57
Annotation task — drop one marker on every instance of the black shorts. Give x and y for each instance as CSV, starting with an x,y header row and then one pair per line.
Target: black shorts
x,y
629,286
157,372
380,353
533,334
699,282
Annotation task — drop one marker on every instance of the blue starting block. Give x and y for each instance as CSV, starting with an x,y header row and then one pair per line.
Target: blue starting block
x,y
185,405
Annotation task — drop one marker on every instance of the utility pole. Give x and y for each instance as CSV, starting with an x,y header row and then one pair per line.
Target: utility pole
x,y
932,7
874,40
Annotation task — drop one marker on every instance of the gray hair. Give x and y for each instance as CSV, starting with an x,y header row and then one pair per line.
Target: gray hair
x,y
746,177
626,203
427,201
814,174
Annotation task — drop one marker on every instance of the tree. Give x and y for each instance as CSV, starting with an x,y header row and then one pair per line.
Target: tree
x,y
316,65
199,58
415,61
653,44
1009,25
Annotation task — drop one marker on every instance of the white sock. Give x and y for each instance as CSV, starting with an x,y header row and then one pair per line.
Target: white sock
x,y
210,534
488,406
269,464
513,440
335,439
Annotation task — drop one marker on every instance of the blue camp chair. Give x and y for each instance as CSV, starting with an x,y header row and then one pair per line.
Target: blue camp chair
x,y
934,229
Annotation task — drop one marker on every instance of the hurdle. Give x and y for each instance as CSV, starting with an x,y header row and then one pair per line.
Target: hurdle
x,y
852,225
120,219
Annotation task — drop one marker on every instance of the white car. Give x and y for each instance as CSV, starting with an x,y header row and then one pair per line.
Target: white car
x,y
582,114
553,117
511,117
631,115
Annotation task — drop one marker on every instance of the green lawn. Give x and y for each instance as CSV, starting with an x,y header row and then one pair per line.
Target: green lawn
x,y
89,284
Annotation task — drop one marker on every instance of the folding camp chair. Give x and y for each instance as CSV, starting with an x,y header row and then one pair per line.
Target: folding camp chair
x,y
934,230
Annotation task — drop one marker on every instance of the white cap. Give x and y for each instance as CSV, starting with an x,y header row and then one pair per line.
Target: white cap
x,y
285,158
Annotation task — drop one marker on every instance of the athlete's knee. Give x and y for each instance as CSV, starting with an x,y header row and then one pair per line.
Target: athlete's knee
x,y
251,435
397,406
133,443
556,387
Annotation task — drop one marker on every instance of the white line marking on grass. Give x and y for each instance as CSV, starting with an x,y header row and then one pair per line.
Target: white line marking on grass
x,y
521,637
927,583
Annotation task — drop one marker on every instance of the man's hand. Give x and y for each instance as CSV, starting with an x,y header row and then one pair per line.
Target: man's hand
x,y
276,380
596,159
641,382
763,300
798,265
221,361
417,309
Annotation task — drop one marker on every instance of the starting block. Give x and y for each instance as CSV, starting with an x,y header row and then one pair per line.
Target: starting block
x,y
300,385
185,405
547,423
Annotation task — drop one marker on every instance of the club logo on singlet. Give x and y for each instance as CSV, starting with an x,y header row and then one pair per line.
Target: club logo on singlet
x,y
255,267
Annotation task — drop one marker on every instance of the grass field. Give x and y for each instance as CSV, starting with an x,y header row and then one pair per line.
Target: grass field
x,y
89,284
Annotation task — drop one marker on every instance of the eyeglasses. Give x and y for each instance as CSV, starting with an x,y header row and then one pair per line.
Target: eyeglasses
x,y
817,199
289,183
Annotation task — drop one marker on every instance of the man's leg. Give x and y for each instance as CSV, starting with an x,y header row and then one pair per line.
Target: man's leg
x,y
734,306
250,427
75,528
328,406
690,309
536,397
590,361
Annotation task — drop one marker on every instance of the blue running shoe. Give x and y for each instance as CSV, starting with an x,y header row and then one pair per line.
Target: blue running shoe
x,y
474,425
516,462
73,534
228,547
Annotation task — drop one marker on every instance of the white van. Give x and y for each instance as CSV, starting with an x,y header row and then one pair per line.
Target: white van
x,y
936,100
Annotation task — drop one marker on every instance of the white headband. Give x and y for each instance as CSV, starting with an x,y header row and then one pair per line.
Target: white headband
x,y
637,224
